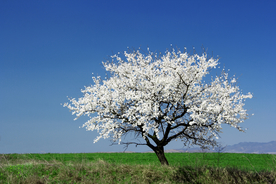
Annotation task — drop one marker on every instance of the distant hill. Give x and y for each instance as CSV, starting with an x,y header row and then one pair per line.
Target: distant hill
x,y
242,147
253,147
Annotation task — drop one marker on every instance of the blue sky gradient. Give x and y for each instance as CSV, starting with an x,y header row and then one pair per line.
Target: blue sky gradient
x,y
49,49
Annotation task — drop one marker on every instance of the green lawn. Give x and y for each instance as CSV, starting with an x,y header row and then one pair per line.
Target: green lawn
x,y
256,162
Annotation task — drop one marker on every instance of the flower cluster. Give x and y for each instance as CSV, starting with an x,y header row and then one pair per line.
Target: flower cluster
x,y
147,92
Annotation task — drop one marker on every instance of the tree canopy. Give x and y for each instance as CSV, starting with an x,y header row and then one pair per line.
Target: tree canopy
x,y
161,98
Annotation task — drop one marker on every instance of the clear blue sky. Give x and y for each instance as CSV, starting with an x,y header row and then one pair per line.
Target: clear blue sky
x,y
49,49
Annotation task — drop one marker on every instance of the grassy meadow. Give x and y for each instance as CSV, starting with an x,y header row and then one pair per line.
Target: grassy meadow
x,y
137,168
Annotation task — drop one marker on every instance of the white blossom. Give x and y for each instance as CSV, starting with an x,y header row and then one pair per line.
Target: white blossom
x,y
146,93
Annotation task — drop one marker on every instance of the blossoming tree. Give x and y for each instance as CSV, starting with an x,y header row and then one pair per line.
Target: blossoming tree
x,y
160,99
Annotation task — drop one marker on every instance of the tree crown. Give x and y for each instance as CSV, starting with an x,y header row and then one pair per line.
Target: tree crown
x,y
161,95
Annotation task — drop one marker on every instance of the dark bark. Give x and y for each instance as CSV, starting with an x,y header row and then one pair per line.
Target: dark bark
x,y
159,151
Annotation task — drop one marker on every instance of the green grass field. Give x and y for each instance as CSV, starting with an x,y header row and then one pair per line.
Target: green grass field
x,y
137,168
258,162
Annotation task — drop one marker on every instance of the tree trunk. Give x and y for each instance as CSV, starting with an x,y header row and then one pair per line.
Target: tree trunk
x,y
159,151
